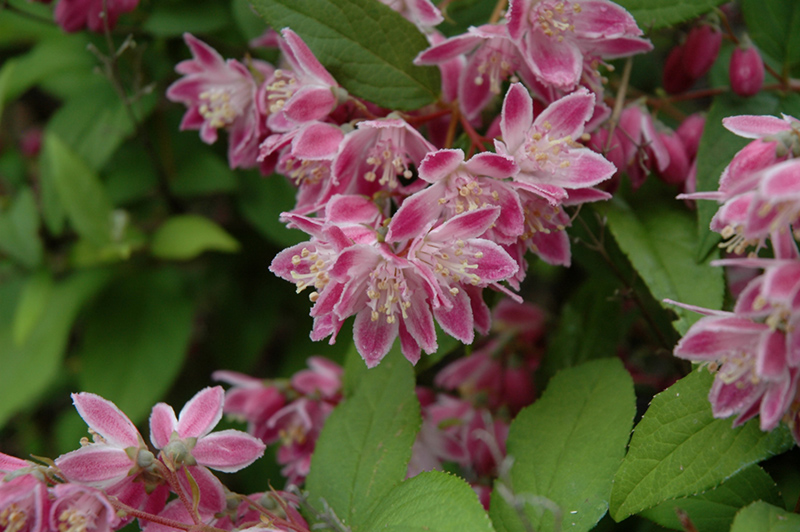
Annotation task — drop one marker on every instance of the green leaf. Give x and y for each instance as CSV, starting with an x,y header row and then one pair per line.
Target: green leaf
x,y
32,21
366,46
566,448
660,243
32,304
80,191
135,340
261,200
430,502
186,236
203,172
764,517
657,14
713,510
364,449
679,449
717,148
591,326
170,19
19,230
772,24
6,75
29,369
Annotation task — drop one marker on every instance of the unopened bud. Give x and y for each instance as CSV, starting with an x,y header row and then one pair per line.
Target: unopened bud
x,y
676,79
746,70
678,169
701,50
690,132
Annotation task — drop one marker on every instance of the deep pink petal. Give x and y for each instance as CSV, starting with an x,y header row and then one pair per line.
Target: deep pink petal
x,y
416,213
106,419
516,117
304,60
228,450
554,63
373,339
568,115
713,336
439,164
448,49
310,103
492,165
465,225
552,247
201,413
771,356
162,424
457,321
782,181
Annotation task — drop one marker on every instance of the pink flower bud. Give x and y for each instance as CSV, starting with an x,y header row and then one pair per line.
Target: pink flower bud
x,y
701,49
678,169
676,78
746,71
690,132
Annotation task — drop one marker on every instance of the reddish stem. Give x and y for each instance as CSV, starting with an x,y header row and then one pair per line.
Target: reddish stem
x,y
475,138
421,119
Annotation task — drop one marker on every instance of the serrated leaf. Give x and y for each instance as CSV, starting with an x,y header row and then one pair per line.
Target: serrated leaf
x,y
713,510
364,448
366,46
717,148
430,502
655,14
679,449
772,24
32,303
135,340
79,190
660,242
186,236
764,517
566,448
19,230
28,370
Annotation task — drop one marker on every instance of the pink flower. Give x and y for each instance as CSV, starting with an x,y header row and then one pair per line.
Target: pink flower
x,y
323,379
299,425
253,400
550,160
302,94
746,70
642,145
423,13
220,94
24,504
554,35
74,15
81,508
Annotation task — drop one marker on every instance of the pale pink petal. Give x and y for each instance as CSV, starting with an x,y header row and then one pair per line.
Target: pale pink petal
x,y
98,465
601,18
201,413
448,49
755,126
310,103
10,463
782,181
568,115
712,336
465,225
425,13
516,117
416,212
373,339
106,419
351,209
162,424
554,63
492,165
771,356
303,59
317,141
775,402
457,321
228,450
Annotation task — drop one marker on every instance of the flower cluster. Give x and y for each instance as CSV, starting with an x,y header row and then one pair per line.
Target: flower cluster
x,y
755,350
116,477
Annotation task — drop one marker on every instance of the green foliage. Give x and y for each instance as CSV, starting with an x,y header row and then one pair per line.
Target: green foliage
x,y
660,242
364,449
657,14
135,340
186,236
366,46
261,197
679,449
32,304
170,19
772,24
765,518
713,510
565,449
19,230
29,368
430,502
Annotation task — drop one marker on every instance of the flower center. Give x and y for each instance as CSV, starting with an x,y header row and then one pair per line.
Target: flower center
x,y
220,106
452,262
387,162
549,154
306,172
496,65
317,274
283,86
75,520
13,518
555,19
388,293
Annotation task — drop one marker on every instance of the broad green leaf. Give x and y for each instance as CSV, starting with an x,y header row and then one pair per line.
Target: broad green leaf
x,y
186,236
772,24
95,122
32,304
763,517
79,189
32,21
202,172
135,340
655,14
717,148
430,502
713,510
365,446
660,242
591,325
130,175
169,19
6,75
566,448
366,46
262,199
29,369
19,230
679,449
249,26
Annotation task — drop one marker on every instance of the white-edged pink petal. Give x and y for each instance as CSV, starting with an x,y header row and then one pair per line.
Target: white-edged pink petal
x,y
567,116
492,164
201,413
373,339
516,117
228,450
755,126
95,465
303,59
106,419
437,165
162,424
